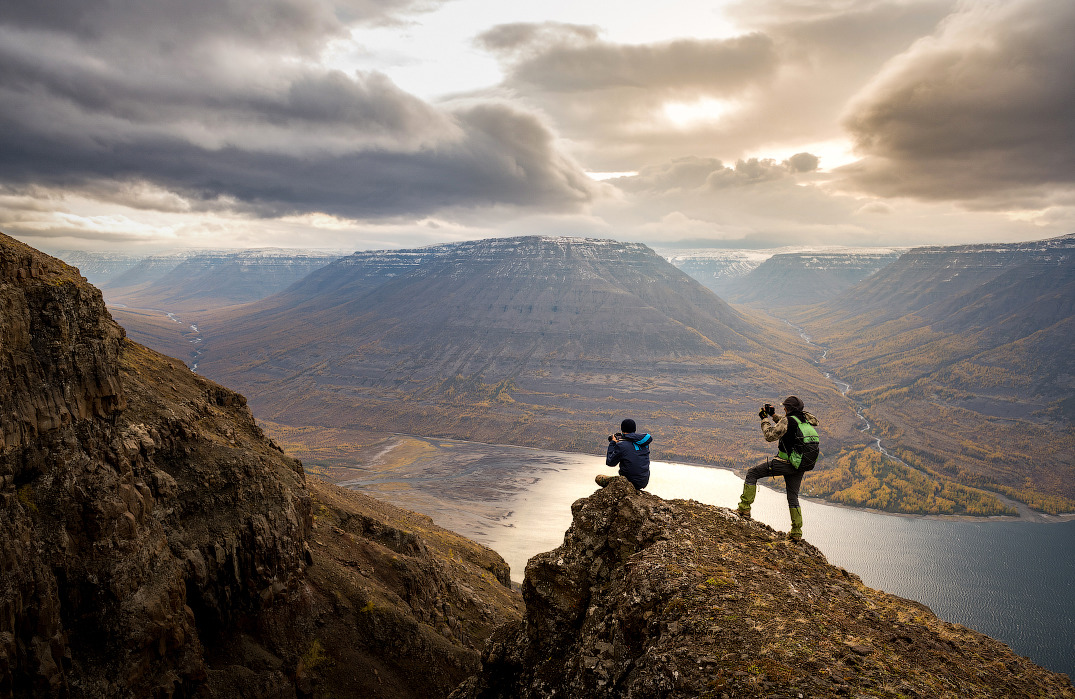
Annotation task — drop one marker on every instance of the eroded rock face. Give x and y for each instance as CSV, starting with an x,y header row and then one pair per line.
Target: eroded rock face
x,y
655,598
153,542
131,521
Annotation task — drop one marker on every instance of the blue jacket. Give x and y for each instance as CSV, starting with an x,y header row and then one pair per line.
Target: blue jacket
x,y
631,454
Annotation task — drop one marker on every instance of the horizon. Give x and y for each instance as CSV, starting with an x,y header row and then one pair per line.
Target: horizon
x,y
334,124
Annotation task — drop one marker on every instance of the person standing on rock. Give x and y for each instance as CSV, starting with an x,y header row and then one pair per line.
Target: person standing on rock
x,y
629,450
798,450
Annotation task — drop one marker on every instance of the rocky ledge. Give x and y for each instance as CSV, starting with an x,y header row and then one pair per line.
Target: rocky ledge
x,y
655,598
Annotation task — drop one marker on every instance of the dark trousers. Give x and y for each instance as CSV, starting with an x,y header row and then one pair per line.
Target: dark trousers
x,y
775,467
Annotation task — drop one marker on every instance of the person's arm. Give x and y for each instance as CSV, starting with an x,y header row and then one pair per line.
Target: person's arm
x,y
612,458
773,432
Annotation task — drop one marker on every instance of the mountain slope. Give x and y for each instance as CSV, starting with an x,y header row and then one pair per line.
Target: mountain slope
x,y
538,341
153,542
964,355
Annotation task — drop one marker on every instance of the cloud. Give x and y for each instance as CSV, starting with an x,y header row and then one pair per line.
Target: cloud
x,y
981,112
224,106
784,80
705,175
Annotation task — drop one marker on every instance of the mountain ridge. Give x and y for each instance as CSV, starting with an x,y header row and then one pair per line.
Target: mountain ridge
x,y
545,340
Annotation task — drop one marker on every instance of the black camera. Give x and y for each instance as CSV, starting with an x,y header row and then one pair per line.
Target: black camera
x,y
767,411
612,438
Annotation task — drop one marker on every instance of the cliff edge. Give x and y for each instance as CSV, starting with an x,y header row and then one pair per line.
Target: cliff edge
x,y
655,598
153,542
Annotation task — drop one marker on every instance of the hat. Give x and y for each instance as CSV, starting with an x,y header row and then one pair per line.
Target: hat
x,y
627,426
793,404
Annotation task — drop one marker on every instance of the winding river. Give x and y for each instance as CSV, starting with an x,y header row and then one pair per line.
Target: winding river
x,y
867,427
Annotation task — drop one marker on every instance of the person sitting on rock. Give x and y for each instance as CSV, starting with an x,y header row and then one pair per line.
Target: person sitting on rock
x,y
788,430
630,451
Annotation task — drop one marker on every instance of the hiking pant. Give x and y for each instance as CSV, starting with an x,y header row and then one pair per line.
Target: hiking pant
x,y
793,478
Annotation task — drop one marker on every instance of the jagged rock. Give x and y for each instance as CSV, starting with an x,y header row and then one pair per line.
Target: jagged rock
x,y
154,543
655,598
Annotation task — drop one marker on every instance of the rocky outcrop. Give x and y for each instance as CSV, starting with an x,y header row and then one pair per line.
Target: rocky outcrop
x,y
655,598
153,542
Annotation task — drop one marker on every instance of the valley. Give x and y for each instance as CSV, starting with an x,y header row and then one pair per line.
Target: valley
x,y
525,341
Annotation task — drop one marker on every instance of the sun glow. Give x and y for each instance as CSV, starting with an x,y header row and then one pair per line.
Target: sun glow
x,y
701,111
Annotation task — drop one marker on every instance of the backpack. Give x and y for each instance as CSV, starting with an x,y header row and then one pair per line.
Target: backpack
x,y
805,447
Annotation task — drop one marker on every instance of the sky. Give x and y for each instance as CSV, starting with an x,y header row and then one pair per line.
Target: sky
x,y
144,125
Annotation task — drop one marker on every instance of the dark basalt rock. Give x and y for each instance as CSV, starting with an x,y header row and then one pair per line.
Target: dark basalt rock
x,y
153,542
655,598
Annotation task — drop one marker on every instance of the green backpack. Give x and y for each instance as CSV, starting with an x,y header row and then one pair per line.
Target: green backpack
x,y
805,447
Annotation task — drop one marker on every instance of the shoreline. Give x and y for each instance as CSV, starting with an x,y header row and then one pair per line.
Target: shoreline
x,y
1033,516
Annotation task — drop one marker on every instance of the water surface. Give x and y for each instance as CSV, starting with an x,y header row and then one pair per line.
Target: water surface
x,y
1012,580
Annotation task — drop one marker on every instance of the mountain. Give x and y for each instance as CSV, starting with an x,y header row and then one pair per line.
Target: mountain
x,y
963,355
720,271
153,542
539,341
210,279
650,598
793,278
781,277
99,267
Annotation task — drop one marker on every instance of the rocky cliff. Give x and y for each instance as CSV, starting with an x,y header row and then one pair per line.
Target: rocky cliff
x,y
154,543
655,598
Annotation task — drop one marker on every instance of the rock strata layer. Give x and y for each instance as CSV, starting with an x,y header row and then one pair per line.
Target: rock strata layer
x,y
655,598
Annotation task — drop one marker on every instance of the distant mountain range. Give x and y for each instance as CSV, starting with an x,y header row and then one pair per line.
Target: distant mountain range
x,y
795,278
99,267
964,355
537,340
781,277
196,281
549,342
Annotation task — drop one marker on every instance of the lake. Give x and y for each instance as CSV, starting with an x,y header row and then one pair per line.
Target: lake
x,y
1012,580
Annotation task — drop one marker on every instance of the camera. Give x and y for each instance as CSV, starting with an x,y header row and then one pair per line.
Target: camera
x,y
614,437
769,409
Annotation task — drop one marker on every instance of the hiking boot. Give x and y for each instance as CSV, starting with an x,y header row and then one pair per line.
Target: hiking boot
x,y
603,480
745,514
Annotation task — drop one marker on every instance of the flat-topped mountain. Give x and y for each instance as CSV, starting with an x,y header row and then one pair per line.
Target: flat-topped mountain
x,y
536,340
964,356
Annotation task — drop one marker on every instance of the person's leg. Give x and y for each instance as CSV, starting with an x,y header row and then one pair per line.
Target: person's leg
x,y
750,488
792,482
603,480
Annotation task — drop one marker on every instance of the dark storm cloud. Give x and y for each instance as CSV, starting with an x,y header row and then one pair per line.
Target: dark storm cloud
x,y
171,26
505,157
982,112
215,102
